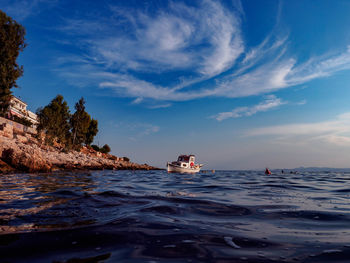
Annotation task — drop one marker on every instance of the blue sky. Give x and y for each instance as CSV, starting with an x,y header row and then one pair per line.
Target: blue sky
x,y
241,84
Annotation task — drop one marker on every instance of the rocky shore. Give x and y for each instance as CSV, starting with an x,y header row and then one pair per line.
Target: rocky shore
x,y
22,152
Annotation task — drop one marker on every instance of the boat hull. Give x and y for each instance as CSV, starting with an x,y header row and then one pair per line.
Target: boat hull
x,y
177,169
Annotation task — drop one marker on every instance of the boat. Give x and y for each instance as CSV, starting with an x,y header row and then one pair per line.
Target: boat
x,y
184,164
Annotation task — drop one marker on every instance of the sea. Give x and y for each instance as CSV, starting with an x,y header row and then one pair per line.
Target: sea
x,y
153,216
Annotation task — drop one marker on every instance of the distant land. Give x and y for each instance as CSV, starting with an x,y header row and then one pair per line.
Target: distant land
x,y
314,169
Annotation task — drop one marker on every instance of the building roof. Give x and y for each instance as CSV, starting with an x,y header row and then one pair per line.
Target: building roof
x,y
13,96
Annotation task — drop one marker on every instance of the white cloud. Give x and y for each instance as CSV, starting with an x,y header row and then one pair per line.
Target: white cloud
x,y
224,36
260,74
267,78
21,9
195,44
205,39
125,84
317,67
302,102
137,100
136,130
160,106
140,130
152,105
335,131
270,102
149,129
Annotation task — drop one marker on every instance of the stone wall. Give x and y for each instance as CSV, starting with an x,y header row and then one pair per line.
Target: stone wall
x,y
15,126
6,130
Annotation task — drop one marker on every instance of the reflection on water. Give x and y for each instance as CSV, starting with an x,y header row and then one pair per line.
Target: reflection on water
x,y
229,216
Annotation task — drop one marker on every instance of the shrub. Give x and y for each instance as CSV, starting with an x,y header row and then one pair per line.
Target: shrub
x,y
22,120
105,149
95,147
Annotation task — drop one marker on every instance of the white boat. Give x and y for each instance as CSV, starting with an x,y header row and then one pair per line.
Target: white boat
x,y
184,164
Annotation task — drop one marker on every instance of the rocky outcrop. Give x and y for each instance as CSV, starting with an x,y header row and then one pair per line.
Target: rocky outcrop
x,y
6,130
5,168
22,152
28,160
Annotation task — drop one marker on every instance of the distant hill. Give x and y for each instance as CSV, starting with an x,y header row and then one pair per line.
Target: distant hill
x,y
315,169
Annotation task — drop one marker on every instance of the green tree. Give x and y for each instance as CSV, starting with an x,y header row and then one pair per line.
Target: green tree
x,y
105,149
54,121
92,131
22,120
80,122
11,43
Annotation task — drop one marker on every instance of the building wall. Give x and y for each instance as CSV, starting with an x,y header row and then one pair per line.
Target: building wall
x,y
33,117
19,108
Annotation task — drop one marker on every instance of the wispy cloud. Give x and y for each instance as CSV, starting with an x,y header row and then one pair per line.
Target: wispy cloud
x,y
142,129
205,39
317,67
197,48
302,102
151,104
270,102
149,129
160,106
136,130
267,68
335,131
21,9
137,100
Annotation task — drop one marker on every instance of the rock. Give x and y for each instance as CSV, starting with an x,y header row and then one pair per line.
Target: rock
x,y
112,157
21,138
32,156
25,161
6,130
5,168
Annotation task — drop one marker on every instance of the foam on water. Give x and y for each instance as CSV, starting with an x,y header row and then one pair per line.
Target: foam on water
x,y
152,216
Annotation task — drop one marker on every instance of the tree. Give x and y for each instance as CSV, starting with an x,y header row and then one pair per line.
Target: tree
x,y
105,149
91,132
54,121
11,43
80,122
22,120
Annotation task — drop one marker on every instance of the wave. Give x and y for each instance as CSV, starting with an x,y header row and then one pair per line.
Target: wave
x,y
230,216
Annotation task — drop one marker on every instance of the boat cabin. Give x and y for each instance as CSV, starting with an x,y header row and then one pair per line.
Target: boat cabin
x,y
186,161
184,164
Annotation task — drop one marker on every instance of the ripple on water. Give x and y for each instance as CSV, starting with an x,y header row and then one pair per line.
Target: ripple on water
x,y
229,216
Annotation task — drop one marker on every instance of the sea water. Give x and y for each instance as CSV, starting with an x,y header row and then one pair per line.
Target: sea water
x,y
153,216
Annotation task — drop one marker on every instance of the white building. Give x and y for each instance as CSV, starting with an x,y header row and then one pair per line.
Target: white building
x,y
19,108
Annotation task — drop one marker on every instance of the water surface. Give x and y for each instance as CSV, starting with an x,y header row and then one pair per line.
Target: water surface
x,y
152,216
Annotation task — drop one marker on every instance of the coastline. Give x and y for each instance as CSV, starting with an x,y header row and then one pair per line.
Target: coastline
x,y
21,152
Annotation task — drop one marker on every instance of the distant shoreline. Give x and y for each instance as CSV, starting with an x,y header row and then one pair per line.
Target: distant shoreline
x,y
21,152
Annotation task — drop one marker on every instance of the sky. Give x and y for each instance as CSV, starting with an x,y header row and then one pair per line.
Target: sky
x,y
241,84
